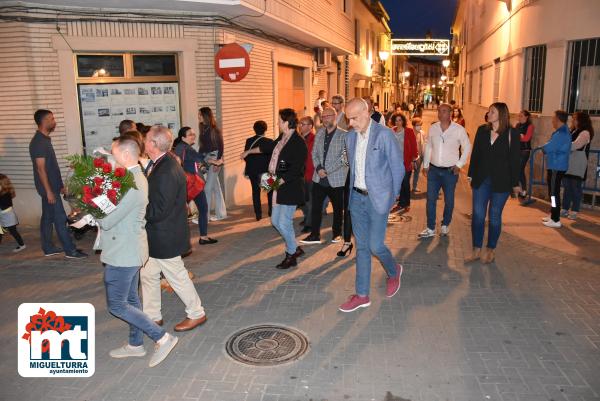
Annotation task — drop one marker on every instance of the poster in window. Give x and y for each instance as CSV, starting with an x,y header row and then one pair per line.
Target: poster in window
x,y
104,106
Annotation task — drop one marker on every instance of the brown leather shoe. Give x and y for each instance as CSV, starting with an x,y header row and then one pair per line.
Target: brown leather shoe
x,y
189,324
159,322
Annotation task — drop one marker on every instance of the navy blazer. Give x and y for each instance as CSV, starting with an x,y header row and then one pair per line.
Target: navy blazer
x,y
384,169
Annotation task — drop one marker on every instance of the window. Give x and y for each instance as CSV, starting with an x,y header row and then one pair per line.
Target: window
x,y
356,36
535,71
154,65
95,66
583,77
470,87
367,43
496,79
480,96
126,67
346,6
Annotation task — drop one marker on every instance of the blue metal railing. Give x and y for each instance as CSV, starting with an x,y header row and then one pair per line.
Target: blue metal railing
x,y
537,174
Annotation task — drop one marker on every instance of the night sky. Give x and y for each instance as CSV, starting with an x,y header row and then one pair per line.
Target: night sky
x,y
411,19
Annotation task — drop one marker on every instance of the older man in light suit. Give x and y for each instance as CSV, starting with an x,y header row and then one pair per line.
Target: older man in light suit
x,y
124,250
376,173
329,176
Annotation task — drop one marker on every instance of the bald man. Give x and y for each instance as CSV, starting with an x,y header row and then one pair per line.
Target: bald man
x,y
376,173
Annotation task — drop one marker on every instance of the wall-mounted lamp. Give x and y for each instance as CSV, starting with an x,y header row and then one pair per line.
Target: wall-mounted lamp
x,y
446,63
384,55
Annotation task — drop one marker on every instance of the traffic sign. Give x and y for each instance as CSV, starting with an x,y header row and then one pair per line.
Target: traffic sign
x,y
232,62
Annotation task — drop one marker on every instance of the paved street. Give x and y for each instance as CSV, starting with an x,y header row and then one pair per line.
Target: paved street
x,y
524,328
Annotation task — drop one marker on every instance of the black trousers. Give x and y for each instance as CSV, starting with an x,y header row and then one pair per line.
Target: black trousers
x,y
13,231
347,218
404,200
554,180
255,182
336,196
524,159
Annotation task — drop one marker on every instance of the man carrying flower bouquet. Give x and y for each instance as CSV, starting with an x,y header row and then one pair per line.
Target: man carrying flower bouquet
x,y
168,232
124,251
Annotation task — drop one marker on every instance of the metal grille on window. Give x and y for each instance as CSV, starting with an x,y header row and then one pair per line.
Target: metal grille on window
x,y
583,78
534,78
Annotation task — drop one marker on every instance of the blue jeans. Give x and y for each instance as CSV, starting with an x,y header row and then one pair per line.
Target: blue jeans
x,y
282,219
446,180
54,216
202,207
213,187
483,200
124,302
573,193
369,232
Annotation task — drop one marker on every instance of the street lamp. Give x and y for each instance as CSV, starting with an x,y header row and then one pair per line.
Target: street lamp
x,y
383,55
446,63
443,77
406,74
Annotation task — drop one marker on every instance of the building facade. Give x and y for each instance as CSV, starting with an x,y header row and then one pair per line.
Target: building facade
x,y
537,55
94,67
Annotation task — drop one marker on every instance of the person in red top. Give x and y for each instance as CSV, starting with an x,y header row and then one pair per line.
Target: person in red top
x,y
457,116
408,142
525,129
307,131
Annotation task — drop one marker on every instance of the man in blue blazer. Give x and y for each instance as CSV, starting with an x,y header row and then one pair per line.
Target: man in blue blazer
x,y
376,173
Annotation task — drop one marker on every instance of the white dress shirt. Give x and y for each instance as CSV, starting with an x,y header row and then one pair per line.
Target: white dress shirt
x,y
360,158
442,148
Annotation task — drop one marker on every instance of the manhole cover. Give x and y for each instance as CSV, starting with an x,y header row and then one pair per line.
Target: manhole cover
x,y
267,345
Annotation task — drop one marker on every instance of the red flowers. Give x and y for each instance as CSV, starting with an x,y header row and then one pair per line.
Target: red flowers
x,y
116,184
106,168
112,195
98,180
120,172
270,181
97,191
98,162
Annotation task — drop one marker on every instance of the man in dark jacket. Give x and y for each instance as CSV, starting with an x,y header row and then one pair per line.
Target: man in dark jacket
x,y
168,232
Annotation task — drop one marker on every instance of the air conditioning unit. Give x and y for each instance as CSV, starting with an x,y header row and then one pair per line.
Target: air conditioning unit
x,y
323,57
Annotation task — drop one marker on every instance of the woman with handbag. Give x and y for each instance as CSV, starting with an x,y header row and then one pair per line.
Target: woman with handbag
x,y
494,174
211,146
256,165
582,134
190,159
287,163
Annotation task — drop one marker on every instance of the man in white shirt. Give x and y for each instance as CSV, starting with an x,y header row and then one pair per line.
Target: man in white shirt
x,y
318,107
441,164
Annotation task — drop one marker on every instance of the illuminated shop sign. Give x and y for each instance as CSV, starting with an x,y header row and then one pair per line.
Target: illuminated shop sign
x,y
420,47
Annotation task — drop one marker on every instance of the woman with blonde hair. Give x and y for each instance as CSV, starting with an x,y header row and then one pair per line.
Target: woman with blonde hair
x,y
8,217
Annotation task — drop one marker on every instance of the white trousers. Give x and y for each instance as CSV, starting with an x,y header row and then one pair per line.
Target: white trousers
x,y
177,276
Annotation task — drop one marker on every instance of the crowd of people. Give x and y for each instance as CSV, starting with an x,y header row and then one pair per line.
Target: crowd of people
x,y
366,163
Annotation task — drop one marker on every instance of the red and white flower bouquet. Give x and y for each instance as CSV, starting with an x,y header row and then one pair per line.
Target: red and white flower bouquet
x,y
94,187
270,182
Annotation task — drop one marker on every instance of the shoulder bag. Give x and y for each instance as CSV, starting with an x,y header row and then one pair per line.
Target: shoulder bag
x,y
194,183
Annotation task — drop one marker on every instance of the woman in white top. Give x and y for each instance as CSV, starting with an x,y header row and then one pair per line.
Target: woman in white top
x,y
582,134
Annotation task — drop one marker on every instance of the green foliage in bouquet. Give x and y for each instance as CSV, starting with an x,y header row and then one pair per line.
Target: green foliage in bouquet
x,y
92,177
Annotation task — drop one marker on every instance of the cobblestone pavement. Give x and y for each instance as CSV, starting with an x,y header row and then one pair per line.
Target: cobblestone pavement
x,y
524,328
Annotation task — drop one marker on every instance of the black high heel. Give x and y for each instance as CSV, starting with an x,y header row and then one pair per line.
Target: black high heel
x,y
348,251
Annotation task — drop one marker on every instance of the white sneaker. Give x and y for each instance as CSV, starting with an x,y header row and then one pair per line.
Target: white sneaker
x,y
426,233
213,218
553,224
445,230
19,248
572,216
564,213
194,220
547,218
161,351
127,351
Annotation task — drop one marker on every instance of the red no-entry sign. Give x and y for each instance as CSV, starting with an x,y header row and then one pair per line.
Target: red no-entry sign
x,y
232,62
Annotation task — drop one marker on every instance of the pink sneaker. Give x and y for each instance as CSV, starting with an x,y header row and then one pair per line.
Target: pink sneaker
x,y
355,302
393,283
